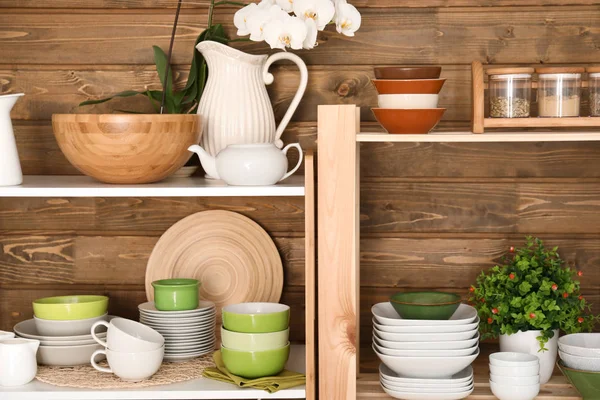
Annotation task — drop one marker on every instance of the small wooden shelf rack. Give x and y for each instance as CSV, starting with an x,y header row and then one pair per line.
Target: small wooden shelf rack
x,y
338,252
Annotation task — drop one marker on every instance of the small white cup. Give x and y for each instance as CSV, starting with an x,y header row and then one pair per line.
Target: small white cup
x,y
6,335
125,335
515,371
515,380
511,359
131,367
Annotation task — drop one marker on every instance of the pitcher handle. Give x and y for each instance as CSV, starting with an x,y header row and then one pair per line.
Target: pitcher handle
x,y
268,78
93,361
285,150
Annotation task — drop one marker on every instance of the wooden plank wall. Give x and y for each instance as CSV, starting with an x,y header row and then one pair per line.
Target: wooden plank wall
x,y
433,215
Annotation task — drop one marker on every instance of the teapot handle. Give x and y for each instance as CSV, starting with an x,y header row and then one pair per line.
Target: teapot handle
x,y
285,150
268,78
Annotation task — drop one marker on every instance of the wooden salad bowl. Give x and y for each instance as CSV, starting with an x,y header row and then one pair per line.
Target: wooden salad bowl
x,y
127,148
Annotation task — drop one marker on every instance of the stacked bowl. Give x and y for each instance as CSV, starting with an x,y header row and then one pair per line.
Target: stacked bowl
x,y
62,325
514,376
255,339
408,98
426,357
580,362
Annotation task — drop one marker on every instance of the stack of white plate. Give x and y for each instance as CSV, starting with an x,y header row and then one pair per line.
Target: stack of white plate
x,y
426,351
188,334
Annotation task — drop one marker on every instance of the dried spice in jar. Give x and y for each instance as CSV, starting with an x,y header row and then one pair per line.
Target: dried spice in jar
x,y
559,91
594,90
510,92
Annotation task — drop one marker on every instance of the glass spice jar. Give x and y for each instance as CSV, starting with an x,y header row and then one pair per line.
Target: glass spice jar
x,y
559,91
594,90
510,92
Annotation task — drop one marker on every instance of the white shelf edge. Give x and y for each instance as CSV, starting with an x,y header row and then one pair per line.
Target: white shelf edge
x,y
83,186
470,137
201,389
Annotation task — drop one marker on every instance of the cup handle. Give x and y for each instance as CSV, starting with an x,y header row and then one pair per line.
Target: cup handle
x,y
97,324
285,150
99,368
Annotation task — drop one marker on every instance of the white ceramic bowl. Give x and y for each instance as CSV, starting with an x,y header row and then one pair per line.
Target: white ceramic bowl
x,y
48,327
460,378
515,380
453,345
385,314
511,392
425,353
460,386
589,364
425,337
67,356
408,101
426,329
511,359
581,344
428,390
427,367
515,371
422,395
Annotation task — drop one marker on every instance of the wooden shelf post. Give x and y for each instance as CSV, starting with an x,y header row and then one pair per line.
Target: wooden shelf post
x,y
338,251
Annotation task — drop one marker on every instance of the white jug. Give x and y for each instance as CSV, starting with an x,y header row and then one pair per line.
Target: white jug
x,y
18,362
10,167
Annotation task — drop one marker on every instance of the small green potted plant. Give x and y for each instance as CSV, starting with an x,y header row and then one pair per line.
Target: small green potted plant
x,y
526,301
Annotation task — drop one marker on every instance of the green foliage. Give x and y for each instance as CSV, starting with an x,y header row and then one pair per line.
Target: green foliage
x,y
183,101
533,290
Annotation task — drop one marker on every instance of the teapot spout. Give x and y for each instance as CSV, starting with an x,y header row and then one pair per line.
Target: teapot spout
x,y
209,163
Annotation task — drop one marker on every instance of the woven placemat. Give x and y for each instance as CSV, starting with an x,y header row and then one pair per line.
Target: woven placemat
x,y
86,377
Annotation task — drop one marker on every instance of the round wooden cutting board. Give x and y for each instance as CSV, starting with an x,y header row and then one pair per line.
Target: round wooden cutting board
x,y
234,259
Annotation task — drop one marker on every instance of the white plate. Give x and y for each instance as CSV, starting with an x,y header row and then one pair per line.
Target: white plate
x,y
426,329
427,367
428,389
67,342
185,357
193,336
191,351
149,308
197,331
461,377
425,337
192,348
385,314
459,387
425,353
426,396
67,356
182,326
27,329
453,345
192,320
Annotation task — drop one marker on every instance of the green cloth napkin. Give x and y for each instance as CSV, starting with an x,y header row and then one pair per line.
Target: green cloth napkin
x,y
284,380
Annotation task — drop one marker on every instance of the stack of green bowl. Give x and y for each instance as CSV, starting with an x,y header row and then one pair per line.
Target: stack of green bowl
x,y
255,339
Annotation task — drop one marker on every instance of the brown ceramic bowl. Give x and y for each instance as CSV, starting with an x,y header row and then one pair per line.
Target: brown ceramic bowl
x,y
412,86
408,72
127,148
408,121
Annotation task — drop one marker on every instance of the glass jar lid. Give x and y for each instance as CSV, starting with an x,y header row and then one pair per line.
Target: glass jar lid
x,y
510,76
509,71
560,70
559,75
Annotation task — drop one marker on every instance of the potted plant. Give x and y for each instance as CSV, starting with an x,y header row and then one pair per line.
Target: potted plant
x,y
526,301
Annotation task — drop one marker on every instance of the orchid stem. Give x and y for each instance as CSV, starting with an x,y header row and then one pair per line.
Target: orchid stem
x,y
166,80
210,13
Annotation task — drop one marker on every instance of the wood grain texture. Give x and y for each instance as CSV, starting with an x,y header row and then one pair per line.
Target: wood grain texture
x,y
310,281
429,36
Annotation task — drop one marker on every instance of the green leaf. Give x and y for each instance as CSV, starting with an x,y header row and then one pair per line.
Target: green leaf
x,y
126,93
161,61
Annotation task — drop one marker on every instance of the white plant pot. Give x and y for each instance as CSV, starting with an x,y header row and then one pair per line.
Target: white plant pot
x,y
526,342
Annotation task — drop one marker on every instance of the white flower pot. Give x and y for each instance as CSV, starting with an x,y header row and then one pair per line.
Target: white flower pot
x,y
526,342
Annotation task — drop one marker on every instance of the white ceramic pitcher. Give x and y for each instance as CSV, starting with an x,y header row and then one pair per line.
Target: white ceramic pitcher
x,y
18,362
10,167
235,106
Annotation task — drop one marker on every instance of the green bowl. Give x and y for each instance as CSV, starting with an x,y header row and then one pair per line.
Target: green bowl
x,y
587,383
70,308
255,364
176,294
425,305
254,341
256,317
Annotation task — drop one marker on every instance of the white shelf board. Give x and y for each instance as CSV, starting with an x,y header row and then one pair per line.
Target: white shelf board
x,y
83,186
196,389
470,137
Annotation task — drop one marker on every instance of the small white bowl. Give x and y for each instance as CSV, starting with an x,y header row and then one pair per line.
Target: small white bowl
x,y
515,371
589,364
512,392
425,353
515,380
408,101
452,345
511,359
426,329
48,327
581,344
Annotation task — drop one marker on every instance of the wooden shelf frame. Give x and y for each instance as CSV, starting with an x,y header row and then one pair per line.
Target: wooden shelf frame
x,y
338,250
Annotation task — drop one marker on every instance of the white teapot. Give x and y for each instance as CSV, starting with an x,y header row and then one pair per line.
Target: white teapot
x,y
256,164
18,361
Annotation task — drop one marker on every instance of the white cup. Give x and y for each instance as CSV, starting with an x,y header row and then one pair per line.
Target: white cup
x,y
131,367
6,335
515,371
125,335
515,380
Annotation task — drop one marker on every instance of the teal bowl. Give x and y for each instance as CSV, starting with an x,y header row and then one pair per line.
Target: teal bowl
x,y
425,305
255,364
176,294
586,383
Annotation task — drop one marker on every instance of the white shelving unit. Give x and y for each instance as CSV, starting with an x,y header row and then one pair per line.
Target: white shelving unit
x,y
197,389
83,186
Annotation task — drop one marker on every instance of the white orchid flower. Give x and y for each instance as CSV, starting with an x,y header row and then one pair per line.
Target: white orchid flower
x,y
259,18
289,32
347,18
240,18
311,34
266,3
286,5
321,11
